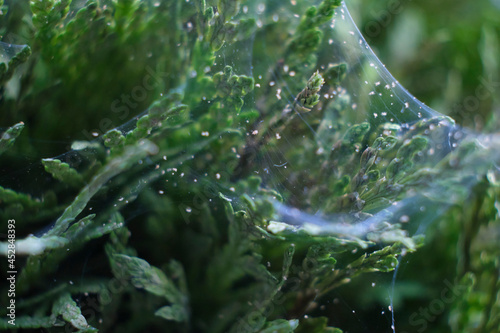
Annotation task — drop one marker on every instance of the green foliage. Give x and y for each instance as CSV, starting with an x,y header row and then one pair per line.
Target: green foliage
x,y
7,69
9,136
66,307
453,68
179,198
63,172
154,281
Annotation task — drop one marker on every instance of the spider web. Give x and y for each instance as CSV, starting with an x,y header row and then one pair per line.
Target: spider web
x,y
368,94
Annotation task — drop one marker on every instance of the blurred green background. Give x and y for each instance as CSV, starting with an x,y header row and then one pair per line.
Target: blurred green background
x,y
446,53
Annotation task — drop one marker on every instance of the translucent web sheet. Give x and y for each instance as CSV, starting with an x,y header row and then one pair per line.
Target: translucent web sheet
x,y
312,137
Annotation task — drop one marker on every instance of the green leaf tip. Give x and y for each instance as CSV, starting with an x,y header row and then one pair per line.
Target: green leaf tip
x,y
335,74
231,85
128,158
228,8
356,133
67,308
326,10
113,138
309,97
315,83
281,326
175,313
9,136
144,276
32,245
63,172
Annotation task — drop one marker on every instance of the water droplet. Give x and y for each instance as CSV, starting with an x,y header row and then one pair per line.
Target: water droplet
x,y
404,219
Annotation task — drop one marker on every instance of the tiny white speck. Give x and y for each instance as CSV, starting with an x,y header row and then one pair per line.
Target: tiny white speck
x,y
404,219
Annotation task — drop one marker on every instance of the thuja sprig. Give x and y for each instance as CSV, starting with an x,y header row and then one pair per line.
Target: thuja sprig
x,y
47,14
221,29
7,70
335,74
367,170
111,169
63,172
309,97
305,101
299,58
18,200
9,136
308,35
153,280
403,161
232,87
